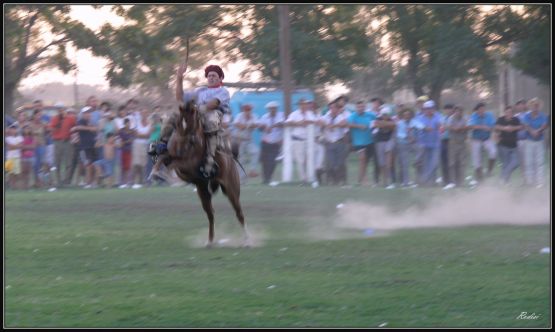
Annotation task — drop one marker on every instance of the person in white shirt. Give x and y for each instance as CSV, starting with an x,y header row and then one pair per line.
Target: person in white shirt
x,y
241,136
271,125
139,149
298,121
335,130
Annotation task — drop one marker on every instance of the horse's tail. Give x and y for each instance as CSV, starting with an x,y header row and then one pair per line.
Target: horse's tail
x,y
237,161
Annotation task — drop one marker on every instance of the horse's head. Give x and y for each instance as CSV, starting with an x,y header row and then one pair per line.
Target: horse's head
x,y
190,113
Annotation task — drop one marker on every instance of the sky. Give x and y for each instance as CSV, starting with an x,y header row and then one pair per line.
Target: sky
x,y
92,69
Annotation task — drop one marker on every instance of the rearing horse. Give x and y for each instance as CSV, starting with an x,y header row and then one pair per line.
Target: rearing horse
x,y
187,146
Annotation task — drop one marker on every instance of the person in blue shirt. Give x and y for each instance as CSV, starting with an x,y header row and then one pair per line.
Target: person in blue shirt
x,y
481,124
430,141
535,123
361,138
405,135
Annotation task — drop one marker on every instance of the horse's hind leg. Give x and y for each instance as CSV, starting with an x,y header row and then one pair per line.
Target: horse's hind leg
x,y
233,196
206,199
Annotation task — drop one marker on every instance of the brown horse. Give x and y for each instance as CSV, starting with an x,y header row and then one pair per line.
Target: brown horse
x,y
187,146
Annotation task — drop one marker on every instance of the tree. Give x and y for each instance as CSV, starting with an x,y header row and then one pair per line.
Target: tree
x,y
533,54
145,51
27,51
439,45
327,42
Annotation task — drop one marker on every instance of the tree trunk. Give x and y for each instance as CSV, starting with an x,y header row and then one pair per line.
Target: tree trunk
x,y
9,98
435,95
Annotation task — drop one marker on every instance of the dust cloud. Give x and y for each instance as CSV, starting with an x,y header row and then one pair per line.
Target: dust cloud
x,y
481,206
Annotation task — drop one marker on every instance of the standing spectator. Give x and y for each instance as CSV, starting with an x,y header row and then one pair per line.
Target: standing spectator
x,y
481,124
39,132
133,112
27,155
458,131
243,126
508,126
335,130
14,143
384,128
126,136
361,138
535,123
444,134
60,127
155,134
271,125
376,104
319,148
120,118
430,142
76,162
139,149
520,110
405,140
299,120
87,138
420,105
341,104
96,113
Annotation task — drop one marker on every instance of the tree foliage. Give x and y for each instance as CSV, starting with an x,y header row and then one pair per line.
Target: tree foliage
x,y
533,54
146,49
437,46
328,43
36,37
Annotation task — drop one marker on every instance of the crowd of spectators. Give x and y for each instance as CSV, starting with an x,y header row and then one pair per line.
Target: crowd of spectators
x,y
410,146
81,148
423,145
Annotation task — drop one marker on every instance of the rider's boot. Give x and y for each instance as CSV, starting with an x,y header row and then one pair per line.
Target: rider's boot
x,y
211,145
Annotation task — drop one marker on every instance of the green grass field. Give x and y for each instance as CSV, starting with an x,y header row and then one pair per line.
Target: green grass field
x,y
134,258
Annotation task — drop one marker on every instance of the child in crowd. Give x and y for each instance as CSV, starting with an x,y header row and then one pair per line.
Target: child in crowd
x,y
105,168
14,143
27,155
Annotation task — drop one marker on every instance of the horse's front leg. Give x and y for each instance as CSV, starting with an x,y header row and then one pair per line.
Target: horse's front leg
x,y
206,199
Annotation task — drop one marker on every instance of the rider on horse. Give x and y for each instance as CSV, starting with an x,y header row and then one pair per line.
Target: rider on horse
x,y
213,102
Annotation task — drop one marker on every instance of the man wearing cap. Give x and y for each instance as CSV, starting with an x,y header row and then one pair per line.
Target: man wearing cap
x,y
420,104
430,142
241,136
213,101
271,125
482,124
299,120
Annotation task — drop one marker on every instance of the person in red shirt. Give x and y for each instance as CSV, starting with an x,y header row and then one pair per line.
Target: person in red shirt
x,y
60,127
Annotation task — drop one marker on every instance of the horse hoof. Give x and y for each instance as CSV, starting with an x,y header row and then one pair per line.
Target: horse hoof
x,y
209,245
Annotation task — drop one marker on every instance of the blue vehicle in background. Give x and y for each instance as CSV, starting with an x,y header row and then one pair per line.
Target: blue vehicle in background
x,y
259,99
